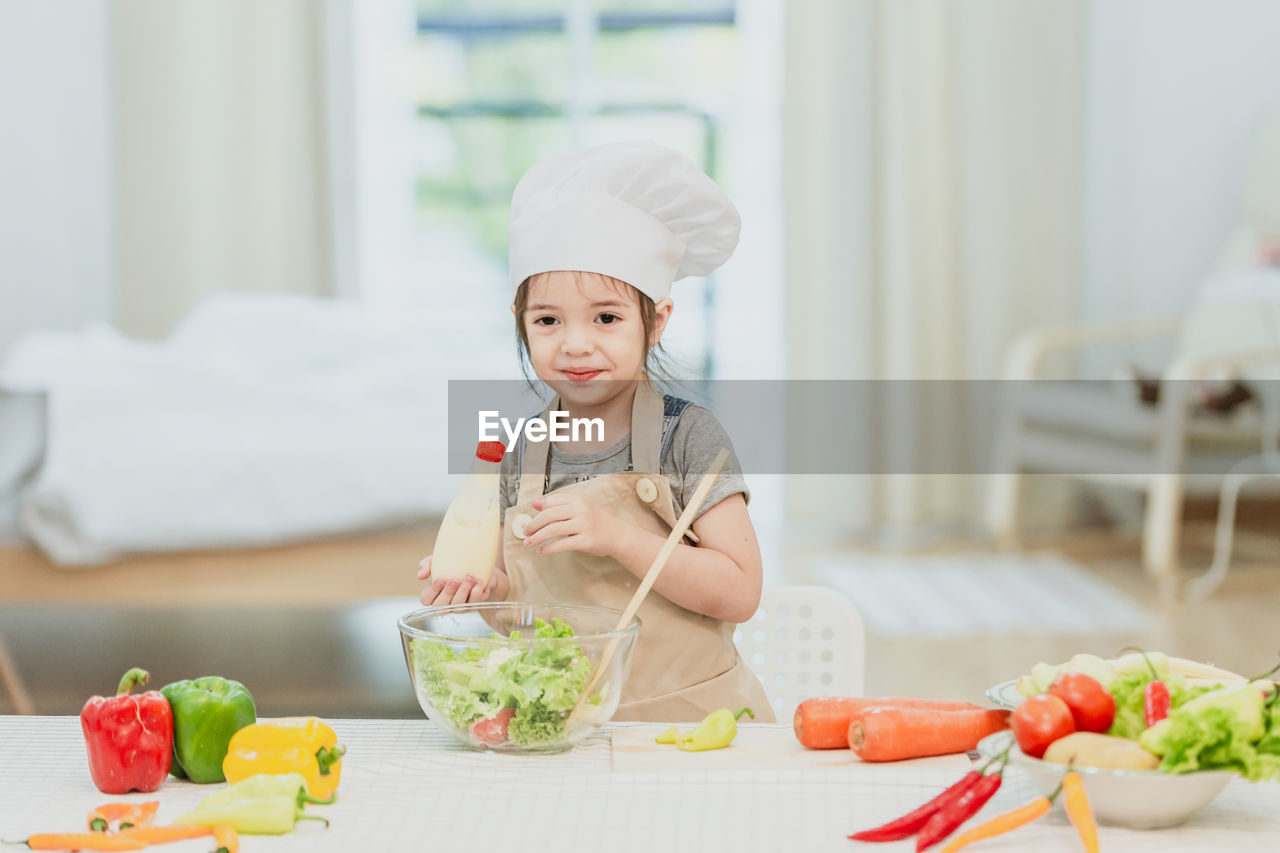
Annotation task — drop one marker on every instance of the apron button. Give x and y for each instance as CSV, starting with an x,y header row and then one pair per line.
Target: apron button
x,y
519,523
647,491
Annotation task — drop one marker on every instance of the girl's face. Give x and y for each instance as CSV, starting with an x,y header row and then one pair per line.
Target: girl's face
x,y
586,335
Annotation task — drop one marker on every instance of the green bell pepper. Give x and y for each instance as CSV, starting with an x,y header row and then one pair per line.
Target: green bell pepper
x,y
206,713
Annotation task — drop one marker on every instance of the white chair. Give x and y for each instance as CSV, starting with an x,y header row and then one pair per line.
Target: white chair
x,y
804,641
1233,329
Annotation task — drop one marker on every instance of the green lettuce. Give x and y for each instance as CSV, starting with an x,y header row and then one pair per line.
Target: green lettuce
x,y
1270,742
542,682
1213,740
1219,730
537,722
1128,691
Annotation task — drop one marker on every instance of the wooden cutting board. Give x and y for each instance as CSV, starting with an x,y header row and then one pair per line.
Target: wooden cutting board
x,y
757,747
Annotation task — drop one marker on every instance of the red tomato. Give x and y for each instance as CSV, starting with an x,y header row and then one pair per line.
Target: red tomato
x,y
492,731
1039,721
1092,707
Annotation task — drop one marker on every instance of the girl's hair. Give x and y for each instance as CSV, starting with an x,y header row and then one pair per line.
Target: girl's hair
x,y
657,361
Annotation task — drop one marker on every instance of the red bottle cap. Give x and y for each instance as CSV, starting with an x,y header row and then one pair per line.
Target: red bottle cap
x,y
490,451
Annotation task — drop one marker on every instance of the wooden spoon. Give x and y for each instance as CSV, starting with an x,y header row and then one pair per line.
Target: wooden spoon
x,y
655,569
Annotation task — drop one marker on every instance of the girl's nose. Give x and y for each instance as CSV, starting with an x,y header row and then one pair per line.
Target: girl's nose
x,y
577,342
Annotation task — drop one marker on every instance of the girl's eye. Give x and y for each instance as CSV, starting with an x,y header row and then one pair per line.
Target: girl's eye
x,y
544,321
607,318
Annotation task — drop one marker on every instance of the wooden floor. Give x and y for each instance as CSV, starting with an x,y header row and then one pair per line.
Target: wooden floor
x,y
1236,628
322,572
311,627
298,621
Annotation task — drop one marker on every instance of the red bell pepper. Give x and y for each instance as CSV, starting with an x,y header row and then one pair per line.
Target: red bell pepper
x,y
129,738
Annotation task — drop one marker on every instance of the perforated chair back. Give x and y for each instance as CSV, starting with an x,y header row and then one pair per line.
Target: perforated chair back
x,y
804,641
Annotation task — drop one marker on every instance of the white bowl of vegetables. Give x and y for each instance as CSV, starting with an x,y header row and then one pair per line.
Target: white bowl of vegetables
x,y
517,677
1134,799
1154,738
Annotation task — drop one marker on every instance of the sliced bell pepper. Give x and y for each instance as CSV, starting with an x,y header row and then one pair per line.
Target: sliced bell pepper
x,y
671,735
129,738
305,745
206,713
122,815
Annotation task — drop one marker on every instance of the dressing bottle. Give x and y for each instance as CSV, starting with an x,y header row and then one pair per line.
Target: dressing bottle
x,y
467,543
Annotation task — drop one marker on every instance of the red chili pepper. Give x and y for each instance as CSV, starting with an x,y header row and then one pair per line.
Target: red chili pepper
x,y
945,822
909,824
1155,702
129,738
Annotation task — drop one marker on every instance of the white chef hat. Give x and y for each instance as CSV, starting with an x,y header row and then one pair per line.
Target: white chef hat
x,y
635,211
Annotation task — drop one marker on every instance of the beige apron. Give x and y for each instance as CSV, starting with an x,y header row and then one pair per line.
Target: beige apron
x,y
684,664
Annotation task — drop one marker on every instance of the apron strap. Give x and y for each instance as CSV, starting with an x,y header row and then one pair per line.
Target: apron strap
x,y
533,465
646,440
646,428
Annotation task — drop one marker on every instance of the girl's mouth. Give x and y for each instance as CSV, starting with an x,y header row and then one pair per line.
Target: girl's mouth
x,y
581,375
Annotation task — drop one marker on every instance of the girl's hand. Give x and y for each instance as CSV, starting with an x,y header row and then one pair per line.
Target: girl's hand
x,y
575,525
441,592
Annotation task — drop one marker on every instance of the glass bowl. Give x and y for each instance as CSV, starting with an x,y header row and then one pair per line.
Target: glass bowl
x,y
506,676
1136,799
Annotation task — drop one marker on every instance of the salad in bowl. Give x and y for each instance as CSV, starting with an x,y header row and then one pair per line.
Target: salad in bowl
x,y
517,677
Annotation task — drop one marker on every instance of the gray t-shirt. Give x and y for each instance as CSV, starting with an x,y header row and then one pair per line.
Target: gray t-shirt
x,y
696,439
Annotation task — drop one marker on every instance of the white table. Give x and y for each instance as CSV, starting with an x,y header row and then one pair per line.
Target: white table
x,y
405,786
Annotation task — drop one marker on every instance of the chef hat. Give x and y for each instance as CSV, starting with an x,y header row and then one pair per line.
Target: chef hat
x,y
631,210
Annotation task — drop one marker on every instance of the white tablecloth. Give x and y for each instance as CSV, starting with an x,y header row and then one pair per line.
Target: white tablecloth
x,y
405,786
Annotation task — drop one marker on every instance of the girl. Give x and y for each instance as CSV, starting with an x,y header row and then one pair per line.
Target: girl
x,y
596,238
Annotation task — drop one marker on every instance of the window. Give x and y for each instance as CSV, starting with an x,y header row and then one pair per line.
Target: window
x,y
454,100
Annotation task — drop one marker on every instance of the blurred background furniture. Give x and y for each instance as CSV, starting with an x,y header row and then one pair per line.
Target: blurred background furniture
x,y
1264,465
1100,432
261,419
326,606
804,641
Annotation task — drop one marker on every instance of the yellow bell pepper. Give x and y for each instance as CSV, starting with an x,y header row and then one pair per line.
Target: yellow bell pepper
x,y
303,745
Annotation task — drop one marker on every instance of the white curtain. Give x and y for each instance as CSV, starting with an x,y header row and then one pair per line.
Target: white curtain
x,y
55,167
219,153
932,165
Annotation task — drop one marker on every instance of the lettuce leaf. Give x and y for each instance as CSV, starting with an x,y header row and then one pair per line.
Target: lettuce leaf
x,y
1270,743
537,722
1213,739
1128,691
541,682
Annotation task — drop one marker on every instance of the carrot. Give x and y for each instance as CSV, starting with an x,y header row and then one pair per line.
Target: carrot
x,y
164,834
226,837
892,734
81,841
823,722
